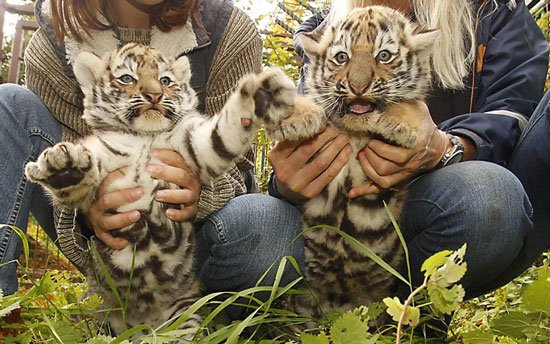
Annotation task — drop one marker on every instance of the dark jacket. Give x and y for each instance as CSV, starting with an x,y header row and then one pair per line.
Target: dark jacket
x,y
508,80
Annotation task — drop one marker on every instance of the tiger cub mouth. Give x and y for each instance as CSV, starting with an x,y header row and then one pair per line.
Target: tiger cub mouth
x,y
359,106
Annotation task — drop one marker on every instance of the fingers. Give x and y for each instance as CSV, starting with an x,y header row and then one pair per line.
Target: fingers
x,y
382,181
102,221
175,175
171,158
176,171
109,179
180,215
284,149
397,154
297,153
317,185
383,166
326,165
186,197
310,147
110,222
368,188
113,200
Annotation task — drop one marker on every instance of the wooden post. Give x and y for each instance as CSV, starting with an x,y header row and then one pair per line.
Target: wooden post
x,y
17,46
22,25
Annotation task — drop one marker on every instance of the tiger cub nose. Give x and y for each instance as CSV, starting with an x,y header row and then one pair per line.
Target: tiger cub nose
x,y
358,89
153,98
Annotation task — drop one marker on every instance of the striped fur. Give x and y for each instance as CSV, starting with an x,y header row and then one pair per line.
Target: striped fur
x,y
136,100
371,59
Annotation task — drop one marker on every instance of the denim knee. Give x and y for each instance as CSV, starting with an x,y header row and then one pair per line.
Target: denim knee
x,y
477,203
12,94
238,244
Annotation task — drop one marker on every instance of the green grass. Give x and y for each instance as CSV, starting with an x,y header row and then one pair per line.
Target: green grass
x,y
53,310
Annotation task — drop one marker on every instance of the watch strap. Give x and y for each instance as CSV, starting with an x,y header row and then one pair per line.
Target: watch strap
x,y
453,155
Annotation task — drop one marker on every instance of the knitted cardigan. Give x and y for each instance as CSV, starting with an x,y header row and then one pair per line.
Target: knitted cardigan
x,y
237,52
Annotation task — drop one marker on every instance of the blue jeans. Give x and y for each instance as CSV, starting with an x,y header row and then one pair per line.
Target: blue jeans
x,y
475,202
478,203
245,239
26,128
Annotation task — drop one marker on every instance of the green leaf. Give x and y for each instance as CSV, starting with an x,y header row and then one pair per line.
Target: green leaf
x,y
536,297
395,309
433,263
7,306
478,337
67,333
100,340
452,270
446,300
306,338
512,325
370,312
349,329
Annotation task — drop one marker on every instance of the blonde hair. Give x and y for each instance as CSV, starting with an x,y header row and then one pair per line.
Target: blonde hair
x,y
455,49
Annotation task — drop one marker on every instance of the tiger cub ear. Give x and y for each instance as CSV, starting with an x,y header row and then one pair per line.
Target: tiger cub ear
x,y
424,39
315,42
87,67
182,69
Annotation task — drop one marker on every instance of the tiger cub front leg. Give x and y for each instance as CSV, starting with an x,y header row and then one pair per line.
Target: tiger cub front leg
x,y
264,99
69,173
306,120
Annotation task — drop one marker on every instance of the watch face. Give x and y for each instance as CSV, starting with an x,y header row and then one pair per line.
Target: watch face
x,y
454,158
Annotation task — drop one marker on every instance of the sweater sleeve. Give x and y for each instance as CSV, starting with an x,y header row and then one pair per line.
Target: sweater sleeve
x,y
45,77
239,53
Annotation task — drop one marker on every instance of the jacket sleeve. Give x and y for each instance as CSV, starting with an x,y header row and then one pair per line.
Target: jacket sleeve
x,y
511,69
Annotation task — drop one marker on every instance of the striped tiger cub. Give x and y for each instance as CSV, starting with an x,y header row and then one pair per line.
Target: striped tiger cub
x,y
359,65
136,100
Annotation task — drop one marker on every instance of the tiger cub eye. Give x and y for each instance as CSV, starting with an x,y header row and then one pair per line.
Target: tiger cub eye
x,y
341,57
384,56
126,79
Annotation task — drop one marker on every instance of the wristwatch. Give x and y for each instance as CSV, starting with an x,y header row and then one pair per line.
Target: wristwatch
x,y
455,154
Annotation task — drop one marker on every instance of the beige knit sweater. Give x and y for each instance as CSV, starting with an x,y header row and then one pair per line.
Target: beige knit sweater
x,y
238,53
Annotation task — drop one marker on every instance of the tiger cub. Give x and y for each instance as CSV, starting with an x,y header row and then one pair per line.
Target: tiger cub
x,y
371,59
136,100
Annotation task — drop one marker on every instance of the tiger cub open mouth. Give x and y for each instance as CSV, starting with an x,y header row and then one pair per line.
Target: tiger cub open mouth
x,y
359,106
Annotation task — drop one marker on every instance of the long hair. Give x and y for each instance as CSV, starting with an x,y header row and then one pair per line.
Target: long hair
x,y
74,16
455,49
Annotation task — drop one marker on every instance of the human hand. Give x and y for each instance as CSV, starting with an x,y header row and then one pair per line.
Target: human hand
x,y
299,179
387,165
176,171
100,216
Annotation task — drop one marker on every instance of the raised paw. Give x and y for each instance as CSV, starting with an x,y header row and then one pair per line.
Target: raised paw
x,y
272,92
60,166
306,120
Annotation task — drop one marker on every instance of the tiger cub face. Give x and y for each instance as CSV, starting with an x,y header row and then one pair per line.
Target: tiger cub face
x,y
134,89
372,58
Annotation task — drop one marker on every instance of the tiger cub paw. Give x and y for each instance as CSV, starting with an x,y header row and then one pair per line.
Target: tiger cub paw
x,y
306,120
271,96
61,166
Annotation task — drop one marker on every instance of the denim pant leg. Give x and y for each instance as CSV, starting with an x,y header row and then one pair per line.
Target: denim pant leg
x,y
240,242
530,162
26,128
478,203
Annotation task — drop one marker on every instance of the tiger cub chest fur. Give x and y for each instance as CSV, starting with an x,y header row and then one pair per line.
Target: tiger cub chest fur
x,y
333,262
